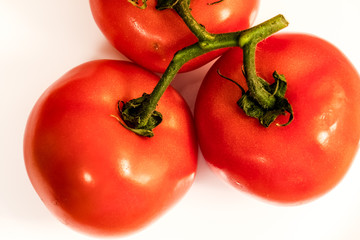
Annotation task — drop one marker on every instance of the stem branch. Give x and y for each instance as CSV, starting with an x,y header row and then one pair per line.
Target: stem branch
x,y
248,41
140,113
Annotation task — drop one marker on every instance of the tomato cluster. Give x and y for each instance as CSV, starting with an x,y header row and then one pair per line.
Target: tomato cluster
x,y
100,178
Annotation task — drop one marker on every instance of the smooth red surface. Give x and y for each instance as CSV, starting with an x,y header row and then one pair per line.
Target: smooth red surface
x,y
289,164
92,173
151,38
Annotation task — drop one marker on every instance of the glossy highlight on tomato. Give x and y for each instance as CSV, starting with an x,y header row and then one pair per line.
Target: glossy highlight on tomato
x,y
151,38
292,164
91,172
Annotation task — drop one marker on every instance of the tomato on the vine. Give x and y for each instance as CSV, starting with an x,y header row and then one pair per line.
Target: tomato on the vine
x,y
151,37
290,164
91,172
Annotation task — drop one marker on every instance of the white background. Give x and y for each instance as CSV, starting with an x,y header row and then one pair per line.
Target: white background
x,y
42,39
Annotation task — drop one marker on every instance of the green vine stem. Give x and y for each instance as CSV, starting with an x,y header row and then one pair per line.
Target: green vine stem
x,y
183,10
140,114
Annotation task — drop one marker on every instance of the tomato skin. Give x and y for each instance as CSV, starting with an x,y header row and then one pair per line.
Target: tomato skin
x,y
151,38
292,164
92,173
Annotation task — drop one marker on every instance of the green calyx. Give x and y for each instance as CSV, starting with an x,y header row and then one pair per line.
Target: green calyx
x,y
266,114
131,114
267,111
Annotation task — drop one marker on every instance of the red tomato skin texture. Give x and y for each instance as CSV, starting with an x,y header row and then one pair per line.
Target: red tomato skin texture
x,y
151,38
292,164
92,173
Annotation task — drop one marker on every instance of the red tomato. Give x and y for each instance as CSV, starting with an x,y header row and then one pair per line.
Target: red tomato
x,y
151,38
291,164
91,172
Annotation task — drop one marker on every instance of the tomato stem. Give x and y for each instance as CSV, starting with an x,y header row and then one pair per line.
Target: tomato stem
x,y
183,10
263,101
142,115
248,42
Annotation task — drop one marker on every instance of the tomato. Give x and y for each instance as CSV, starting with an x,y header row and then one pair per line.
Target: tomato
x,y
292,164
91,172
151,38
